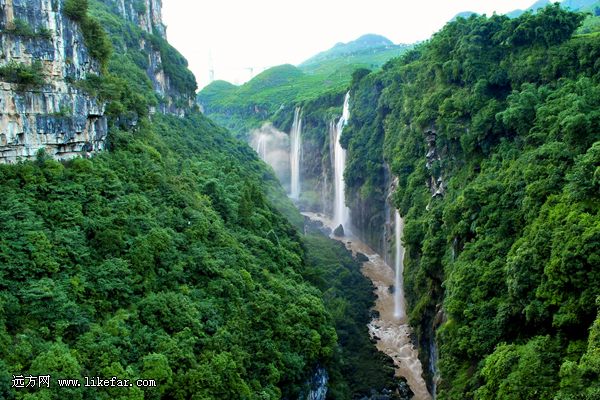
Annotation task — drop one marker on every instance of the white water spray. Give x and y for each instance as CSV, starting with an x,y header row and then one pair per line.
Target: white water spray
x,y
295,154
341,213
399,306
273,147
261,146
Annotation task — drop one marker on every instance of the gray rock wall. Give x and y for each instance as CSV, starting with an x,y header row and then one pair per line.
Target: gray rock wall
x,y
55,116
147,14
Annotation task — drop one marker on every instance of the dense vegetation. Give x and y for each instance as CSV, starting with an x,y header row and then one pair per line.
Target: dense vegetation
x,y
22,28
175,256
26,76
154,261
365,173
508,112
126,80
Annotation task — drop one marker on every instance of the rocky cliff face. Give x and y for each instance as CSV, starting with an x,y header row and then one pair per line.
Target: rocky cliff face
x,y
51,114
146,16
436,183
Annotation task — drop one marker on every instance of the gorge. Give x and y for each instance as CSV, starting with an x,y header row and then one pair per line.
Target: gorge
x,y
462,144
380,222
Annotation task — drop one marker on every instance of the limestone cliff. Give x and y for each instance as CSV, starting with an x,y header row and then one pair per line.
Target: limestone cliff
x,y
146,14
143,32
43,60
51,114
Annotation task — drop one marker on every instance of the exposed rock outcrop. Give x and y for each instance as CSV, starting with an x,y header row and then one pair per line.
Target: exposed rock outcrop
x,y
147,14
436,183
53,115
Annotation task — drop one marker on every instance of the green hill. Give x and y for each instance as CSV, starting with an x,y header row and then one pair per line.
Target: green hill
x,y
368,51
572,5
533,8
591,7
249,105
241,108
369,42
579,5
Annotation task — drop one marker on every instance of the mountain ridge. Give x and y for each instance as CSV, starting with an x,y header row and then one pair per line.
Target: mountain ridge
x,y
244,107
366,42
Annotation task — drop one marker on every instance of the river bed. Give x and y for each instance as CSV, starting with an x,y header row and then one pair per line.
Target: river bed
x,y
392,334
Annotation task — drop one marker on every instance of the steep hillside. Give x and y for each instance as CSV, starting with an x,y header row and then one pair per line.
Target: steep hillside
x,y
172,256
493,132
58,70
153,70
485,138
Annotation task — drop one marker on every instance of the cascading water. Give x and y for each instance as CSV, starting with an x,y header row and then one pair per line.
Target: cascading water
x,y
318,386
385,246
390,328
261,146
433,358
341,213
295,154
273,147
399,306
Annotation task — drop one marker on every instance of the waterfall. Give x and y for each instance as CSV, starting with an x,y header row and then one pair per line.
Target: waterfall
x,y
273,147
385,246
295,154
399,309
388,225
318,386
261,146
391,334
433,358
341,213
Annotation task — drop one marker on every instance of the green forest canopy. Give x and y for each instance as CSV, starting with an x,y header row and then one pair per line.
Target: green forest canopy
x,y
513,247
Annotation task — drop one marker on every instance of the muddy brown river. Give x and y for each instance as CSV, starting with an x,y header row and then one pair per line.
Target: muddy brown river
x,y
392,334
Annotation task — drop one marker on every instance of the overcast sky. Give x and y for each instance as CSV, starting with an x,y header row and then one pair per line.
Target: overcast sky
x,y
235,35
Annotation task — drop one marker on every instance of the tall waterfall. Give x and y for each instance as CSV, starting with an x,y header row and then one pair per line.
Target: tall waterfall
x,y
399,307
341,213
295,154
